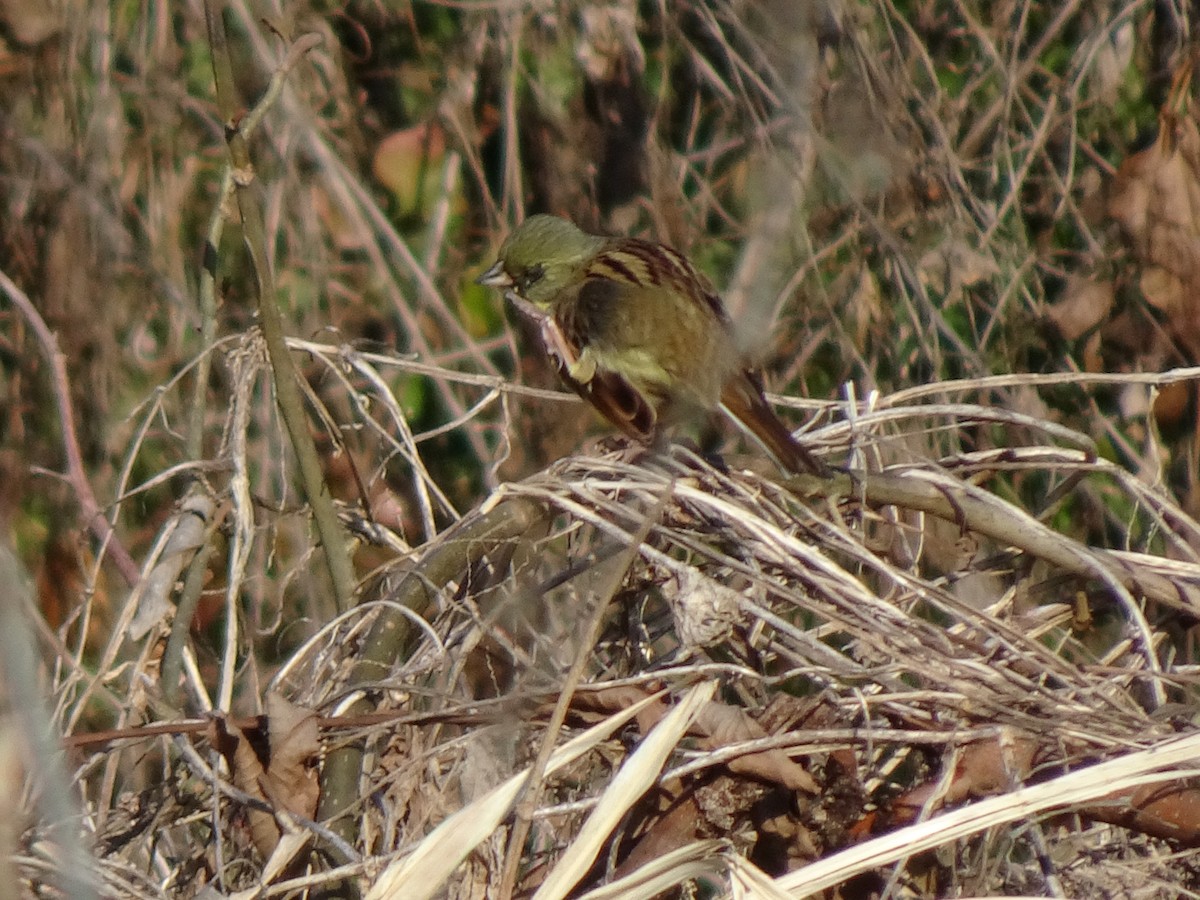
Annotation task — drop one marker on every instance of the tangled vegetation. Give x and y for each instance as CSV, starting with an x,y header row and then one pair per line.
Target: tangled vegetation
x,y
320,584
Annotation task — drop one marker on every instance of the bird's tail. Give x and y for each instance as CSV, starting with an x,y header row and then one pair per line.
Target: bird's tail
x,y
742,398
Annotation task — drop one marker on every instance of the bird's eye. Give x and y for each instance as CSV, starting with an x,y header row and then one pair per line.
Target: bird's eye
x,y
529,278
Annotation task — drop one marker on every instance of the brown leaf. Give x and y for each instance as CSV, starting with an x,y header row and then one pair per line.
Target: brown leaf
x,y
31,22
677,824
611,700
274,762
1170,810
245,753
981,769
407,163
1156,200
291,777
1085,304
719,725
724,725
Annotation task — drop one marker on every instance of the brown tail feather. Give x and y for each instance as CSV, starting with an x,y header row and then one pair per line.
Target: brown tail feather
x,y
743,399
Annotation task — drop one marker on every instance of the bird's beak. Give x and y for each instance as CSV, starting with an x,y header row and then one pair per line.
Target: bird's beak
x,y
495,277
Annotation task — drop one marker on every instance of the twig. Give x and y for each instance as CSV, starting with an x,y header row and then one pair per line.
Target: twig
x,y
287,392
95,519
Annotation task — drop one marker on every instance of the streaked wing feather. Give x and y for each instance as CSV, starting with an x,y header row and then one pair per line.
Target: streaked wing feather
x,y
612,395
647,264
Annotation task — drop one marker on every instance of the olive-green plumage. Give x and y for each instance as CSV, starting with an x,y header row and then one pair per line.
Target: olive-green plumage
x,y
635,329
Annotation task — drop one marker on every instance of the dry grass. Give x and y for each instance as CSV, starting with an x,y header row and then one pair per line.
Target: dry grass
x,y
967,670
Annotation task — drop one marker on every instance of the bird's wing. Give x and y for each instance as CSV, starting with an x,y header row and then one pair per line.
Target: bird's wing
x,y
612,395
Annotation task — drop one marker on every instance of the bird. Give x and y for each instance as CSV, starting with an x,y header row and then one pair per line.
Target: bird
x,y
637,331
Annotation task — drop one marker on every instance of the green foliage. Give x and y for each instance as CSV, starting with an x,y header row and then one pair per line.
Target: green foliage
x,y
481,312
415,396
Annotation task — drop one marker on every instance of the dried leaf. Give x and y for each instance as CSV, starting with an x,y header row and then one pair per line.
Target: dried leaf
x,y
408,163
291,776
981,769
31,22
274,762
1156,200
727,725
1085,304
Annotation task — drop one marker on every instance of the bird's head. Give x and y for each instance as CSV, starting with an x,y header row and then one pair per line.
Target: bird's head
x,y
540,258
